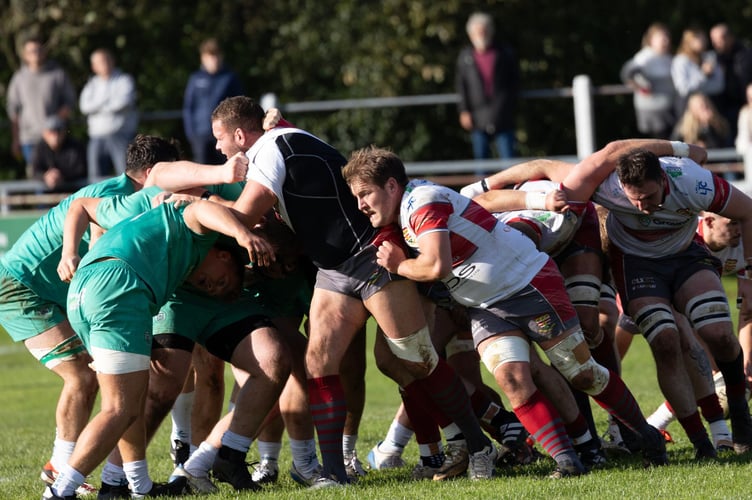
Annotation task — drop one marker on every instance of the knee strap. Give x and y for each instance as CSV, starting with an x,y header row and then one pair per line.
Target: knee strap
x,y
584,290
416,348
507,349
708,308
563,359
653,319
457,346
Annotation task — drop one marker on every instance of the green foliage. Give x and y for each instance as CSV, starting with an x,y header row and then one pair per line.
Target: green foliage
x,y
308,50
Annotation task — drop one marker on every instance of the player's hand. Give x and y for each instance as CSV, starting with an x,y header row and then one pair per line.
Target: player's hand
x,y
177,199
556,201
67,267
235,168
390,256
272,117
260,251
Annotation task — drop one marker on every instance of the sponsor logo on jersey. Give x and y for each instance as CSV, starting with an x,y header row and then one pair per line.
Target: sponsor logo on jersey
x,y
703,188
674,172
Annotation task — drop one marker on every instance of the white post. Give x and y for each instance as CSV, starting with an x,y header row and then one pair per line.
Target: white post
x,y
584,122
269,100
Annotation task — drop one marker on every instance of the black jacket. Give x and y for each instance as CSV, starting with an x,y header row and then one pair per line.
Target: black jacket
x,y
494,113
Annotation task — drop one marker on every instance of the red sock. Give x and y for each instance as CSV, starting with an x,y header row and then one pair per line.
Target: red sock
x,y
328,411
710,407
544,424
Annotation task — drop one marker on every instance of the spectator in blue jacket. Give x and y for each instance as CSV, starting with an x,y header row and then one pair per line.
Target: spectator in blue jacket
x,y
206,88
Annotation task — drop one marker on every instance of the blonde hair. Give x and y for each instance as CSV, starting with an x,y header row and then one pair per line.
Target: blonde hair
x,y
689,126
685,46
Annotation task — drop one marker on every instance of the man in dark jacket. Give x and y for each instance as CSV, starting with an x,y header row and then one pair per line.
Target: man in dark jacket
x,y
736,60
487,82
206,88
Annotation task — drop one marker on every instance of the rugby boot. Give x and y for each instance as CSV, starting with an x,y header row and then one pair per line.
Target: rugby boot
x,y
230,467
653,447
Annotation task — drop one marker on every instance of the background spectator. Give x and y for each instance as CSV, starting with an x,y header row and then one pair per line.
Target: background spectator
x,y
206,87
488,83
743,140
694,69
109,102
58,159
736,62
702,124
649,74
38,89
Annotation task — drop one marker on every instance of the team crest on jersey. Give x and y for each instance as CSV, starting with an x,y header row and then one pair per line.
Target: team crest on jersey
x,y
544,324
729,266
674,172
408,237
703,188
644,220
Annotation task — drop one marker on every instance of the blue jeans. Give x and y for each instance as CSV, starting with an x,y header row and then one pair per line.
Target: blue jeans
x,y
106,154
503,141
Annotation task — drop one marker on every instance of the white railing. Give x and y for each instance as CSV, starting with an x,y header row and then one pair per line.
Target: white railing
x,y
582,93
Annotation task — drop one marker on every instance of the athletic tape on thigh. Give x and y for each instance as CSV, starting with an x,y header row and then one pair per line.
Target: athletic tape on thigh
x,y
417,348
506,349
563,358
653,319
112,362
584,290
64,351
457,346
708,308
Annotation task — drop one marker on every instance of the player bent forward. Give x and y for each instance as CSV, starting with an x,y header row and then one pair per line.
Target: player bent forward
x,y
515,294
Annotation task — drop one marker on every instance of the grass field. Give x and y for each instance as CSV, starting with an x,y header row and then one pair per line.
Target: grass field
x,y
28,393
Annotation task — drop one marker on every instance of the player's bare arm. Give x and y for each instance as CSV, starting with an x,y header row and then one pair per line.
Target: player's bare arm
x,y
81,212
434,261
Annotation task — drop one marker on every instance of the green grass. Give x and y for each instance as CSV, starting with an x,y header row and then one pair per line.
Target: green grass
x,y
28,393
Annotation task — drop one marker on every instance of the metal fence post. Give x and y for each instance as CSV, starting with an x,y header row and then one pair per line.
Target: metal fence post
x,y
584,122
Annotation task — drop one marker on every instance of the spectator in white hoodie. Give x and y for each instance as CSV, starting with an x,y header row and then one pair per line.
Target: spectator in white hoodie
x,y
109,102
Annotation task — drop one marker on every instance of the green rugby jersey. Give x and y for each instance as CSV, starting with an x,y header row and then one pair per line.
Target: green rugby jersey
x,y
158,245
33,259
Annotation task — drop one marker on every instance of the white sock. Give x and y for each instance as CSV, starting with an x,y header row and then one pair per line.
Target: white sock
x,y
430,449
236,441
68,480
61,452
348,444
137,474
450,431
661,417
396,438
720,432
269,450
304,456
200,462
181,417
113,474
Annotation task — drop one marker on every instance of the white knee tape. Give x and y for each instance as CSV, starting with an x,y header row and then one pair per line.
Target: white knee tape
x,y
653,319
563,358
457,346
584,290
417,348
507,349
708,308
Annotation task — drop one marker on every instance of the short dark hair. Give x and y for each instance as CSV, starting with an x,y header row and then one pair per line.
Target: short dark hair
x,y
240,112
639,166
374,165
146,150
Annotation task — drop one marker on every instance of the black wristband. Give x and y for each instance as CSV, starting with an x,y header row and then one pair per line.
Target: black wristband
x,y
206,195
484,185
